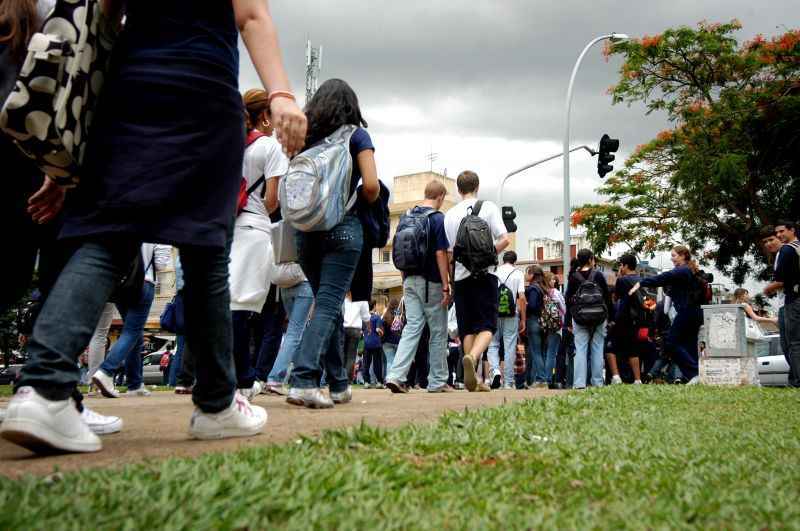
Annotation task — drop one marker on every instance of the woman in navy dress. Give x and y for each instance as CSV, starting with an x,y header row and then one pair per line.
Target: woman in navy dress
x,y
164,163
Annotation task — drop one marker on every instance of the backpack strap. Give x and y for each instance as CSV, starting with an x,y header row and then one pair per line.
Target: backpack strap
x,y
476,209
261,180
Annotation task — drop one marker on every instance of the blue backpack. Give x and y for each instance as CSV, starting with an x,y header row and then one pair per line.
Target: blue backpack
x,y
410,247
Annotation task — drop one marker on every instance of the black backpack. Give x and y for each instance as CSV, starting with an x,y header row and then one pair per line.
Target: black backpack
x,y
588,303
129,288
474,247
506,306
410,246
700,292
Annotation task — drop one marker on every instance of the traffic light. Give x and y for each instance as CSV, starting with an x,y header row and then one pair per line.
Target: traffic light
x,y
607,146
508,218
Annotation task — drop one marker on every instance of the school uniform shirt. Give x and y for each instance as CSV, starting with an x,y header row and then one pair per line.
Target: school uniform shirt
x,y
356,313
452,219
679,280
438,242
623,286
371,338
264,157
787,270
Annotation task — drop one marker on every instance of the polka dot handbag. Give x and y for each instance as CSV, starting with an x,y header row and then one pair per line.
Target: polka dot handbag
x,y
49,111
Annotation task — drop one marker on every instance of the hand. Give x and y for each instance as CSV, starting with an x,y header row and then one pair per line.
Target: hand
x,y
290,125
47,202
522,328
446,298
569,329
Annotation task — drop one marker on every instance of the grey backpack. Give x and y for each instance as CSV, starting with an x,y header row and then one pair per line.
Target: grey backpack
x,y
315,192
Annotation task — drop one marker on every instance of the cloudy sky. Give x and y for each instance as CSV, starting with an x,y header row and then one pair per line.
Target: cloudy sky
x,y
482,83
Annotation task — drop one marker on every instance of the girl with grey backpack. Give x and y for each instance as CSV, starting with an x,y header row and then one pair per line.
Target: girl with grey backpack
x,y
328,249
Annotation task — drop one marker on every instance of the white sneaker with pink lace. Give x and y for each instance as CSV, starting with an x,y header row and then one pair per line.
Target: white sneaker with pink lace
x,y
241,419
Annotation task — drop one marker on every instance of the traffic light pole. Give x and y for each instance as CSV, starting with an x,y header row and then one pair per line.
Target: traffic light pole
x,y
567,209
532,164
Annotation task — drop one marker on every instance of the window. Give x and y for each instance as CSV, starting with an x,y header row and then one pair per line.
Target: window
x,y
386,257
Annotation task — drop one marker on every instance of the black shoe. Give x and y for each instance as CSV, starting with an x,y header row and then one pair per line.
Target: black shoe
x,y
496,382
647,378
555,385
396,387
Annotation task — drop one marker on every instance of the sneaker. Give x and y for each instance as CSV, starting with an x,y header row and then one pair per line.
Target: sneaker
x,y
470,377
459,386
541,385
367,385
251,392
616,380
396,387
183,389
46,426
274,388
441,389
637,382
483,388
496,380
311,398
139,391
105,383
2,415
379,386
508,387
101,424
343,397
694,381
240,419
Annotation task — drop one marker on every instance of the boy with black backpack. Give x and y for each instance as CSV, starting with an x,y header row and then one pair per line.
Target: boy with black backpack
x,y
419,251
511,306
476,233
588,310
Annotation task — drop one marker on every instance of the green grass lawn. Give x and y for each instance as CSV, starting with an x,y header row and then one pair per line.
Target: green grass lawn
x,y
625,457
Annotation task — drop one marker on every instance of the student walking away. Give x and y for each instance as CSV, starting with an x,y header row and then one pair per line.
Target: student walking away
x,y
476,233
355,318
689,290
548,310
251,250
511,319
166,168
588,309
373,349
330,236
392,330
634,313
134,310
420,252
787,279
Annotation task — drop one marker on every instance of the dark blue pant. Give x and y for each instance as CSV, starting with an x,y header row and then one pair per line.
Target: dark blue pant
x,y
329,261
70,315
268,343
245,373
681,341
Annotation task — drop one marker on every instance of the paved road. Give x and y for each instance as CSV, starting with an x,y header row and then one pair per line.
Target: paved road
x,y
156,427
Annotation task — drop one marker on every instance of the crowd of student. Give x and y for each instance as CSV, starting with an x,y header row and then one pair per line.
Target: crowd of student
x,y
258,245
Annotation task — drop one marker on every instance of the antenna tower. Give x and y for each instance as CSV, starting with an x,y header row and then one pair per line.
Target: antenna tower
x,y
313,66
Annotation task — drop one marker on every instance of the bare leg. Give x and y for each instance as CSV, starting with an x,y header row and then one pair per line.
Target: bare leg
x,y
612,364
637,371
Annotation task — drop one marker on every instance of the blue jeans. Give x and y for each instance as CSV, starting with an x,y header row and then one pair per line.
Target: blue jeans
x,y
552,342
593,351
329,260
297,302
389,351
128,348
71,312
535,362
419,312
508,333
177,361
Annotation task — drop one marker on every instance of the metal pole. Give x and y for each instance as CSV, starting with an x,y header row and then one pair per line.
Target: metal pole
x,y
531,165
567,209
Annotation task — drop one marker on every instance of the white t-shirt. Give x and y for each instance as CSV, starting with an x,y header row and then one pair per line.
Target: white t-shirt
x,y
262,157
355,313
452,219
515,282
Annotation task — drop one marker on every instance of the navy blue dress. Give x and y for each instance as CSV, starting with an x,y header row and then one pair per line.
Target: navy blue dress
x,y
164,157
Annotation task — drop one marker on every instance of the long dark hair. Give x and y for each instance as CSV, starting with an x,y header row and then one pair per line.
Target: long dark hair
x,y
332,106
17,24
388,314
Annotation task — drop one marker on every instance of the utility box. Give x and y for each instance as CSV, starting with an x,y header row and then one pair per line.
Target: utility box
x,y
728,359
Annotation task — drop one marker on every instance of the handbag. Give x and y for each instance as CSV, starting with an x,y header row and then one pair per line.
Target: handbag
x,y
172,319
283,242
374,218
49,112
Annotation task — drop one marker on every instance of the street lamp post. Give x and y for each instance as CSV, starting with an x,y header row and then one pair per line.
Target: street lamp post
x,y
614,37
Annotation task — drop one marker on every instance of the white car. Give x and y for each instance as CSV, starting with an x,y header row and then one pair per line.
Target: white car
x,y
773,369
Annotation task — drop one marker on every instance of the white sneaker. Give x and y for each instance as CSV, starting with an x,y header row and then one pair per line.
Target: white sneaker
x,y
2,415
46,426
343,397
616,380
252,392
101,424
274,388
241,419
312,398
139,391
637,382
508,387
105,383
694,381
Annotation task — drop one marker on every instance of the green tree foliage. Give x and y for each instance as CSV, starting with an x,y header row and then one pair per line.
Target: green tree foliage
x,y
730,162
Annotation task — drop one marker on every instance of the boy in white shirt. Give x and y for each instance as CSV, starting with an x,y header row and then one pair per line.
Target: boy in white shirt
x,y
509,324
475,294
